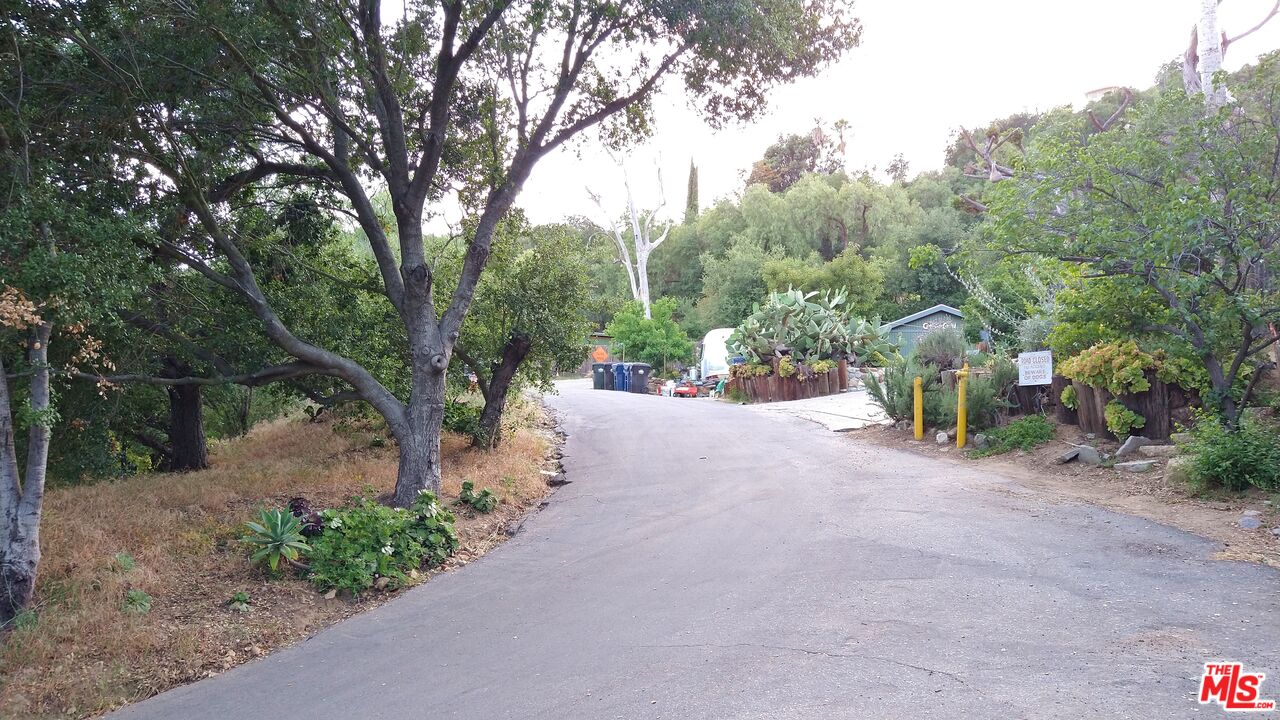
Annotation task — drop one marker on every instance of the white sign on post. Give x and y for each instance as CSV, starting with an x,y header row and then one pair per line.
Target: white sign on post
x,y
1035,368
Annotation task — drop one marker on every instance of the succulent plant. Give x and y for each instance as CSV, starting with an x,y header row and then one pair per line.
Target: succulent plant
x,y
809,327
276,535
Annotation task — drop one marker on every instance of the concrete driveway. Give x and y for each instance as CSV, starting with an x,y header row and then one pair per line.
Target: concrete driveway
x,y
708,561
838,413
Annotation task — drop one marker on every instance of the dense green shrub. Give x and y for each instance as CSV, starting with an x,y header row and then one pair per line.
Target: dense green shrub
x,y
1021,434
360,544
896,395
940,407
1004,374
944,349
461,417
1235,459
986,401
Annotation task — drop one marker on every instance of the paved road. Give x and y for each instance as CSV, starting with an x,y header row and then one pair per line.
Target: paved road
x,y
710,562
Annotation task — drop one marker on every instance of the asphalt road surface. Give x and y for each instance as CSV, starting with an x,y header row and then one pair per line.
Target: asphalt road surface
x,y
711,562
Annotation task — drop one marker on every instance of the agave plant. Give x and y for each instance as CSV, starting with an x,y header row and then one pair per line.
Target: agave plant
x,y
277,534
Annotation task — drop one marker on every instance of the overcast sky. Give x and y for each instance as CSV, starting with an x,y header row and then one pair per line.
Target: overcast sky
x,y
925,67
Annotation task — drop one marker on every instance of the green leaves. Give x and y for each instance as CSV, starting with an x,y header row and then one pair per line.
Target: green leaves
x,y
1172,218
136,602
277,534
484,501
656,341
1235,459
358,545
1121,420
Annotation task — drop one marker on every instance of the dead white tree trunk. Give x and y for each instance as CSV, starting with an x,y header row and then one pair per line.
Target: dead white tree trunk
x,y
1210,51
1208,46
634,255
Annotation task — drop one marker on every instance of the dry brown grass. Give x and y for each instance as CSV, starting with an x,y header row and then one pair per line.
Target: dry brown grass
x,y
84,655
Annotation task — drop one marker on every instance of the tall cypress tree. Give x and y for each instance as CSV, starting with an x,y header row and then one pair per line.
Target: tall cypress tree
x,y
691,198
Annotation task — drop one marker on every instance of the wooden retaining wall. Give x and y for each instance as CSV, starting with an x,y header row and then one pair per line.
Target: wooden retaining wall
x,y
1164,406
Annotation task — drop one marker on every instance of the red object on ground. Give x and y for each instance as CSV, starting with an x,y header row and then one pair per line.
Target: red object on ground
x,y
686,389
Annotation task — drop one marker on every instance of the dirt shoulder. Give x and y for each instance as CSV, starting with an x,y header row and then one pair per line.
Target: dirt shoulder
x,y
1148,495
175,537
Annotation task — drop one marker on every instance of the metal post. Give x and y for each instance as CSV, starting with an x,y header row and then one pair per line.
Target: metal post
x,y
919,407
962,408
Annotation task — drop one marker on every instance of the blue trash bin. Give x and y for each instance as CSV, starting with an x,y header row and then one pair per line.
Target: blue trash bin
x,y
620,373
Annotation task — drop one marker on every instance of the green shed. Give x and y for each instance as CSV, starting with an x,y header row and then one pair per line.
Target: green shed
x,y
905,332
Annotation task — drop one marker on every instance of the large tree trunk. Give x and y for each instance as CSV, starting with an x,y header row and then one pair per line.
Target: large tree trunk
x,y
18,571
21,502
190,449
419,441
419,433
495,401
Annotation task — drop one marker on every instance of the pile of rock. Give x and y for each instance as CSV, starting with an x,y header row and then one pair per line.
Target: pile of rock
x,y
1137,454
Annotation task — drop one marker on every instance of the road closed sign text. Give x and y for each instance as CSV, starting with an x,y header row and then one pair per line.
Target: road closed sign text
x,y
1035,368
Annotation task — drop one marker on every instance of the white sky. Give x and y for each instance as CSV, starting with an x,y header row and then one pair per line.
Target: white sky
x,y
925,67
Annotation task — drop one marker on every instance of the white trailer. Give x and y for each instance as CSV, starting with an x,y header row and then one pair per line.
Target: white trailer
x,y
715,353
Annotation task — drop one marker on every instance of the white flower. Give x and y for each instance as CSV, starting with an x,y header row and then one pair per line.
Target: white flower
x,y
335,523
386,550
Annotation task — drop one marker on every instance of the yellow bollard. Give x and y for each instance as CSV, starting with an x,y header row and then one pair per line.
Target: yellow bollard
x,y
919,413
962,410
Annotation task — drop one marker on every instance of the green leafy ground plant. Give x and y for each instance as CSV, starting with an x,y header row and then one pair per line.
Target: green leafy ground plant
x,y
1022,434
358,545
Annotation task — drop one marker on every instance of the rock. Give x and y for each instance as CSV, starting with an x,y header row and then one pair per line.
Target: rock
x,y
951,434
1275,531
979,442
1091,436
1250,523
1178,471
1090,456
1180,438
381,583
1136,466
1067,456
903,424
1252,513
1158,451
942,438
1084,454
333,593
1131,445
557,480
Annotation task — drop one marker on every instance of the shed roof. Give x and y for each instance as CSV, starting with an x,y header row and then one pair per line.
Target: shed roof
x,y
923,313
